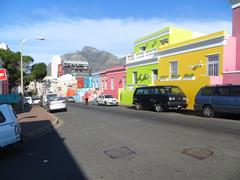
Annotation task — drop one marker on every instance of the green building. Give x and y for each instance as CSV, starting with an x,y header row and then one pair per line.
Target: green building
x,y
142,64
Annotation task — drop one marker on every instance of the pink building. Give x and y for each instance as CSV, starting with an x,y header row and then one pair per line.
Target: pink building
x,y
112,79
231,65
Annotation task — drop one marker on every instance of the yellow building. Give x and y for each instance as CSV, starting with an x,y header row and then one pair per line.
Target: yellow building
x,y
192,64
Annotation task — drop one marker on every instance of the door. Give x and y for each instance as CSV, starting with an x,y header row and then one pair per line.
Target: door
x,y
221,99
7,129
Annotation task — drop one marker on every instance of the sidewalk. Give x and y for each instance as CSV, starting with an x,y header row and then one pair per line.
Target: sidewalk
x,y
37,122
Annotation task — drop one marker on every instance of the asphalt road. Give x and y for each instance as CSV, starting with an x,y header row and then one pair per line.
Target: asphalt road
x,y
98,142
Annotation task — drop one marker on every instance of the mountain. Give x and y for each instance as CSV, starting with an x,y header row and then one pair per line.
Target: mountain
x,y
98,60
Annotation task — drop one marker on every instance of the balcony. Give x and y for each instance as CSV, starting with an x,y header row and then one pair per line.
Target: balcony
x,y
141,56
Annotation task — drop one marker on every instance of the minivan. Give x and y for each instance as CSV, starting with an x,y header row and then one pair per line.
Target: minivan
x,y
10,130
159,97
218,99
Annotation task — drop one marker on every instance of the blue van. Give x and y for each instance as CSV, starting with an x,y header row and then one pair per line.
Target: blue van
x,y
219,98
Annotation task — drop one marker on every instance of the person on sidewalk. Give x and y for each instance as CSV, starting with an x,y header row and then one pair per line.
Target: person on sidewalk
x,y
86,96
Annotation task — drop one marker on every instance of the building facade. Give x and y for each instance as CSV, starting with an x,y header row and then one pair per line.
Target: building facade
x,y
192,64
55,62
142,64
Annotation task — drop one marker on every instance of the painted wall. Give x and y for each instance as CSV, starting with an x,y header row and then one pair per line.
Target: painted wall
x,y
229,55
236,33
144,79
185,63
118,76
232,78
173,34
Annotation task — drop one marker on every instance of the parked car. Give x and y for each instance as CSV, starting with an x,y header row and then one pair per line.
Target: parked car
x,y
36,100
46,97
220,98
27,101
107,100
56,103
159,97
10,130
70,99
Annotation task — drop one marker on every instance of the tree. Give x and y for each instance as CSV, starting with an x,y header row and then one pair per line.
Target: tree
x,y
39,71
11,62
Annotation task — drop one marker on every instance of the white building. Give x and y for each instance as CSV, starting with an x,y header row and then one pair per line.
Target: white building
x,y
4,46
55,61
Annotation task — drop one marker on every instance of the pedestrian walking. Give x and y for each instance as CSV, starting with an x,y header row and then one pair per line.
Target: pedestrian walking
x,y
86,96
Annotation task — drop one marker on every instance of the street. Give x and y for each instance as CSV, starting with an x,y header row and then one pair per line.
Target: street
x,y
98,142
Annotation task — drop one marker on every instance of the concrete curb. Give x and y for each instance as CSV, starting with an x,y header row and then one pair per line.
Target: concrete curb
x,y
45,129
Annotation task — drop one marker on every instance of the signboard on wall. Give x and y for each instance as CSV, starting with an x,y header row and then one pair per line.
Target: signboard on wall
x,y
3,74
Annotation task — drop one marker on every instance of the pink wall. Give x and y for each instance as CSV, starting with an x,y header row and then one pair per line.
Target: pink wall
x,y
231,78
117,74
229,55
216,80
236,33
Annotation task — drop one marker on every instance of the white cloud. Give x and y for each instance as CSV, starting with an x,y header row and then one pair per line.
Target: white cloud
x,y
113,35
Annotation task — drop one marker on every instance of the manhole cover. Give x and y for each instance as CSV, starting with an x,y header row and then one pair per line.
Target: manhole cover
x,y
119,152
199,153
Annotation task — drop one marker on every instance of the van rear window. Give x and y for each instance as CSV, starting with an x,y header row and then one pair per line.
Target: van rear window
x,y
2,118
173,90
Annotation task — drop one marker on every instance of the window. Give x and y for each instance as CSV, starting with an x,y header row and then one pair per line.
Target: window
x,y
106,84
159,91
164,42
139,91
206,91
2,118
236,91
102,84
222,91
123,81
143,48
134,77
154,75
112,84
174,69
213,65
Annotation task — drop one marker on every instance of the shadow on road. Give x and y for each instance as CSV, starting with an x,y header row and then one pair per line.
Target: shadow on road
x,y
45,157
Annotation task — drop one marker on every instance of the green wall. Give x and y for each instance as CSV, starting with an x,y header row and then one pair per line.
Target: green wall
x,y
127,93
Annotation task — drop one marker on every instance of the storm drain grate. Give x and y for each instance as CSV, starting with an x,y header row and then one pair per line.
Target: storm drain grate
x,y
119,152
199,153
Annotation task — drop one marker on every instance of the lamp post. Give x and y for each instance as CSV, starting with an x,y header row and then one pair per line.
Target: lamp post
x,y
21,68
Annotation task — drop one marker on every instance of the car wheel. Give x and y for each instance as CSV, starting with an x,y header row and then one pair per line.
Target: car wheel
x,y
208,111
138,106
158,107
105,103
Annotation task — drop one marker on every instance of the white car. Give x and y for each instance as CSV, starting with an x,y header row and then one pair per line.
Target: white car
x,y
56,103
46,97
36,100
28,101
10,130
107,100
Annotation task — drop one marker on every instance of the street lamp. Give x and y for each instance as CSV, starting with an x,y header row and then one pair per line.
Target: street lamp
x,y
21,52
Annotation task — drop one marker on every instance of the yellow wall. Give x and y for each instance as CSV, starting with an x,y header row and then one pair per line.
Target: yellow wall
x,y
185,63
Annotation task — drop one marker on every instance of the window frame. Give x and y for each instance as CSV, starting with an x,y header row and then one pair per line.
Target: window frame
x,y
211,62
171,69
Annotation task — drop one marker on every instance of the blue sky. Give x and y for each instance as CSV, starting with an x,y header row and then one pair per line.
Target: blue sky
x,y
109,25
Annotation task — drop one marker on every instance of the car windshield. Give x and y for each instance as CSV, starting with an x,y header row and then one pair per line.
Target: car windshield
x,y
51,95
173,90
55,98
108,96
